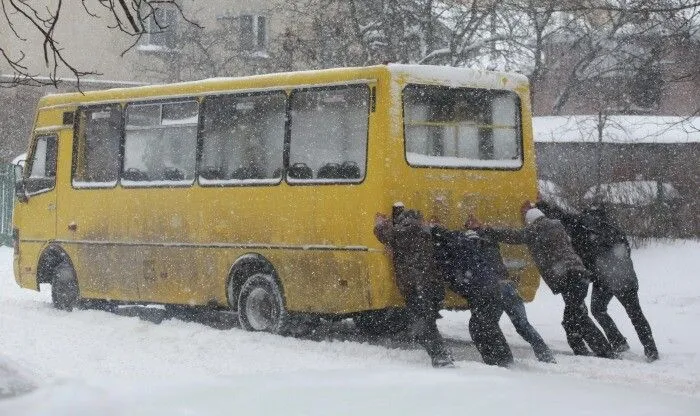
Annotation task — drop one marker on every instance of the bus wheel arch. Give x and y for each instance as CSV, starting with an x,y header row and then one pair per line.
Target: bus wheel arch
x,y
243,268
50,257
56,267
253,281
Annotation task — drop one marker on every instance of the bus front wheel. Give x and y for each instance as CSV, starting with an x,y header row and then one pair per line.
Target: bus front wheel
x,y
64,287
261,305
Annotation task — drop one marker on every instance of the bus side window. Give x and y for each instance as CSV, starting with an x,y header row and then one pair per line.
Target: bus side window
x,y
42,168
96,152
242,138
329,127
160,142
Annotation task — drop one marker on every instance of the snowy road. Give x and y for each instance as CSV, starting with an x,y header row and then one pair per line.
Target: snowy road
x,y
93,362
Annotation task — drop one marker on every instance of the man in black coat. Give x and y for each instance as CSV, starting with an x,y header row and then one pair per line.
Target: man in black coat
x,y
563,271
468,265
605,251
411,245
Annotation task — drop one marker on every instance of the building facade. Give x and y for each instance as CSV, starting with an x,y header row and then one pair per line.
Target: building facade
x,y
220,38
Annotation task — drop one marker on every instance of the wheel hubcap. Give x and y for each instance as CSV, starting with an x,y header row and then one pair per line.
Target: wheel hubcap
x,y
261,310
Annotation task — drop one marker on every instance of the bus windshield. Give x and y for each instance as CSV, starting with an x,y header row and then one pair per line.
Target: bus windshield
x,y
462,127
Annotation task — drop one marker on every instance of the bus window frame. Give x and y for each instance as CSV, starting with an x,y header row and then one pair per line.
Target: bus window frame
x,y
489,168
27,171
122,147
288,141
76,142
229,183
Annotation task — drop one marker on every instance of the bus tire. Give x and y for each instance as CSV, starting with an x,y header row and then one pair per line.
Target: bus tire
x,y
261,305
382,322
65,293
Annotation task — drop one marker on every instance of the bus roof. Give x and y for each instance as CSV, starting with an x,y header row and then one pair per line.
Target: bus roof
x,y
426,74
457,77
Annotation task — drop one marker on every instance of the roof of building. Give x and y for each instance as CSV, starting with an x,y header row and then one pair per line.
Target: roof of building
x,y
617,129
632,192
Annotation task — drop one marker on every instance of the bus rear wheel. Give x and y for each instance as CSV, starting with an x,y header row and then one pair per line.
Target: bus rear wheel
x,y
65,293
261,305
382,322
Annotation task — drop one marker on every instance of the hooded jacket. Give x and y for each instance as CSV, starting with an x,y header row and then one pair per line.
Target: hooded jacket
x,y
549,246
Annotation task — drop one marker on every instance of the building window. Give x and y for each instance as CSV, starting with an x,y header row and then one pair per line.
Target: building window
x,y
160,30
253,32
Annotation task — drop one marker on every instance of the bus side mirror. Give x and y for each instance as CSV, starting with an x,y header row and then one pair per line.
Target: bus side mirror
x,y
20,186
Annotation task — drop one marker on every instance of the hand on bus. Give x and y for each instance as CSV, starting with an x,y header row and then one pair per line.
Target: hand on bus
x,y
434,221
472,222
381,220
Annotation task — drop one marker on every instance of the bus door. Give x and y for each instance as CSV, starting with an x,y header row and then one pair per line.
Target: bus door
x,y
327,164
35,218
93,215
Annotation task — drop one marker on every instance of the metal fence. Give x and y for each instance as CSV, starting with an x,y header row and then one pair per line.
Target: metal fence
x,y
7,194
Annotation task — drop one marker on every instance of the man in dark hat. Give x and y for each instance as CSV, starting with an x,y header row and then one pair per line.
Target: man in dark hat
x,y
410,242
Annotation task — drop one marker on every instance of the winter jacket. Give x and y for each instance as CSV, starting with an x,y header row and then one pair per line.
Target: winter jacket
x,y
592,236
602,246
613,269
550,247
468,263
411,245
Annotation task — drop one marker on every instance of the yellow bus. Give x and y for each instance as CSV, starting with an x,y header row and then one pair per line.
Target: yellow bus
x,y
258,194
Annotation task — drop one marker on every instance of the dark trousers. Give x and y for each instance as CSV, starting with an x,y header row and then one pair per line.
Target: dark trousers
x,y
600,299
486,311
514,307
579,327
423,304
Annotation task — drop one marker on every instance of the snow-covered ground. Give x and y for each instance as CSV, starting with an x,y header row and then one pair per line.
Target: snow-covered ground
x,y
95,363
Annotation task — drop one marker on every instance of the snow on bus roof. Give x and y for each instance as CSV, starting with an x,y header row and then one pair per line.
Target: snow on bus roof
x,y
428,74
458,77
618,129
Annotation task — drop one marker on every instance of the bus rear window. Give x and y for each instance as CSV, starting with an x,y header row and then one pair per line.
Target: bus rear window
x,y
462,127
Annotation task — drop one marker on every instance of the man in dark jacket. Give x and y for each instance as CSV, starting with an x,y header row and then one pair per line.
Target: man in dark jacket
x,y
563,271
605,251
468,267
411,246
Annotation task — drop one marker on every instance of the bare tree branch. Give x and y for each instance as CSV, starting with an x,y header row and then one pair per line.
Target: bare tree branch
x,y
26,21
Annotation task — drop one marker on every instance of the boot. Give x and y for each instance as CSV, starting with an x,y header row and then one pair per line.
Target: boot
x,y
442,359
575,340
427,335
545,356
620,348
651,353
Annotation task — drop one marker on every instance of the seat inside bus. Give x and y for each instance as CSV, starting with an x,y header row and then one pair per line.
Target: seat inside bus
x,y
300,171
